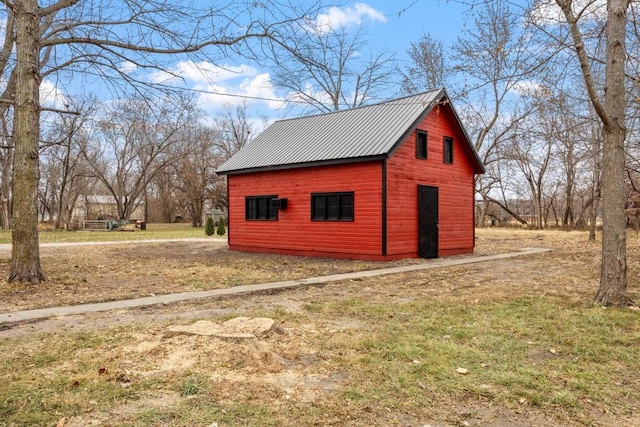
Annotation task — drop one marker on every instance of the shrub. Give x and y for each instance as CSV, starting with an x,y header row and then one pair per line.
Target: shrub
x,y
221,231
208,227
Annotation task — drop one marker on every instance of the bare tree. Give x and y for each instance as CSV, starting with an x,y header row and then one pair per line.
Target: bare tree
x,y
495,60
195,171
6,164
71,38
63,158
428,67
611,109
135,144
531,149
25,255
162,199
233,130
330,68
47,185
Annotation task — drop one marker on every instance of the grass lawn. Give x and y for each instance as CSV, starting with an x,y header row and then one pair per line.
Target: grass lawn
x,y
153,231
512,342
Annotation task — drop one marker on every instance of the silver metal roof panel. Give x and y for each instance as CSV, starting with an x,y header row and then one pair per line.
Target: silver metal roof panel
x,y
348,135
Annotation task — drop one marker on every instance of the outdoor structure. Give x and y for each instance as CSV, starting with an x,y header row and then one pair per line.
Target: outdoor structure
x,y
379,182
98,206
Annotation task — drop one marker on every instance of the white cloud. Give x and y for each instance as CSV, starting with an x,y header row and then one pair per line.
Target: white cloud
x,y
547,12
337,17
531,88
128,67
223,85
52,96
262,88
309,92
202,72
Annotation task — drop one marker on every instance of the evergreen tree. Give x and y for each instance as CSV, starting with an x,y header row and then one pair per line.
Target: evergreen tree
x,y
208,228
221,231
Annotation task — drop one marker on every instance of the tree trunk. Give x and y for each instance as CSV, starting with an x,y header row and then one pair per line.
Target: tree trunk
x,y
5,187
613,277
25,256
482,216
595,189
593,218
508,210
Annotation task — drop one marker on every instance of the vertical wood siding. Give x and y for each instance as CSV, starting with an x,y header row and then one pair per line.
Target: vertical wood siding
x,y
294,232
454,181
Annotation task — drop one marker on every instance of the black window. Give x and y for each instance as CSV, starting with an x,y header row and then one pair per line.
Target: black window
x,y
421,144
448,149
261,208
332,206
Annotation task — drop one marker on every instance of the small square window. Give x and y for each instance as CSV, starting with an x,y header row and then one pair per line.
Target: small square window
x,y
448,149
421,144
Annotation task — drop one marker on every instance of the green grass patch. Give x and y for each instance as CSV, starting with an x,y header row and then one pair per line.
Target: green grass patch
x,y
536,351
194,384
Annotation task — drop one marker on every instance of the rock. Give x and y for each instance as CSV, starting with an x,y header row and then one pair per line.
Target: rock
x,y
462,371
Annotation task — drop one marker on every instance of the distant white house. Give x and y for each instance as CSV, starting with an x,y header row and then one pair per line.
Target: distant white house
x,y
98,206
216,214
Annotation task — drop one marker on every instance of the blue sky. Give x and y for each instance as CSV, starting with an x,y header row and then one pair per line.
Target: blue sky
x,y
390,25
443,19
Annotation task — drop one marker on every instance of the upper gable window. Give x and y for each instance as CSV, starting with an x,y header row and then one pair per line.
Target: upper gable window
x,y
448,149
421,144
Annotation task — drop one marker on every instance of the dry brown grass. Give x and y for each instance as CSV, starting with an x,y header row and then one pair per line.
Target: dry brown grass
x,y
102,273
379,351
86,274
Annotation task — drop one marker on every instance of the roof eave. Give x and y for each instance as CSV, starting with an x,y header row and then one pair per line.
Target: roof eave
x,y
328,162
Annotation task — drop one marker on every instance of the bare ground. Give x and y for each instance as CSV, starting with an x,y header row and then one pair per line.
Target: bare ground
x,y
290,366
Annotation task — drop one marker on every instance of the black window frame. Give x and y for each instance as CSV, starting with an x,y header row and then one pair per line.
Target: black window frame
x,y
422,144
447,149
261,208
336,206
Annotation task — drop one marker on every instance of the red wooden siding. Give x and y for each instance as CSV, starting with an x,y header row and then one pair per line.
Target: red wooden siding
x,y
454,181
294,232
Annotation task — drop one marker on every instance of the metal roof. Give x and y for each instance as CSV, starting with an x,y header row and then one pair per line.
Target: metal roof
x,y
361,133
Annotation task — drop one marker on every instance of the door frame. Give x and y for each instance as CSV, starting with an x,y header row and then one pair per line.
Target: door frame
x,y
428,248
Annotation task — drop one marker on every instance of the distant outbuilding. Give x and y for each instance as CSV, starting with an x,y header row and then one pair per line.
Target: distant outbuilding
x,y
380,182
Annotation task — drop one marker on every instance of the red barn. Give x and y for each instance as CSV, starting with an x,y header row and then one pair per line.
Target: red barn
x,y
379,182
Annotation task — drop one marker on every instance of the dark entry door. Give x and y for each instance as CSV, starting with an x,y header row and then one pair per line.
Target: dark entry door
x,y
427,221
